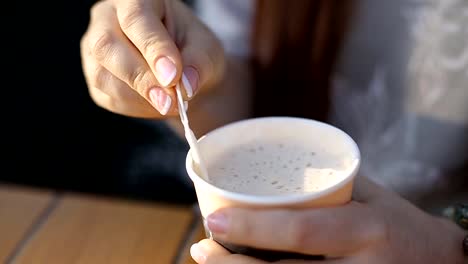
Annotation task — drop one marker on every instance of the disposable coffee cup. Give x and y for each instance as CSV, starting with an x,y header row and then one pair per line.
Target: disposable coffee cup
x,y
321,148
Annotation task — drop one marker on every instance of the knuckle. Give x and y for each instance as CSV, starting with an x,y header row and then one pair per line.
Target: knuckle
x,y
96,10
131,15
100,77
101,45
97,100
152,44
138,79
299,230
83,41
101,99
84,47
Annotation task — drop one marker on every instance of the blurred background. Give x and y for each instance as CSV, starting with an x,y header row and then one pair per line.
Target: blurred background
x,y
54,136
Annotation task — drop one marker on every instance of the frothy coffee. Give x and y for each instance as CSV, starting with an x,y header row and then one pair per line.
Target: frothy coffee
x,y
276,168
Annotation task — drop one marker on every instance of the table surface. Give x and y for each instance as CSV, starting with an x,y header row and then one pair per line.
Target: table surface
x,y
42,226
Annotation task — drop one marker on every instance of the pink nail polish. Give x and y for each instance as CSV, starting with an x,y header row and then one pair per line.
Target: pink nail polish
x,y
190,80
217,223
161,101
197,253
165,71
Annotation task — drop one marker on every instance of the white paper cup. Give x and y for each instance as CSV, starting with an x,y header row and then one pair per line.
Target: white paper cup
x,y
311,132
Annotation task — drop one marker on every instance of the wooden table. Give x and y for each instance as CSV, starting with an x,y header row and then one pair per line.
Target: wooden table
x,y
41,226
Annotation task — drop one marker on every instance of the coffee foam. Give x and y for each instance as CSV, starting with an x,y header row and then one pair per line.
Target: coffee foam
x,y
274,156
274,168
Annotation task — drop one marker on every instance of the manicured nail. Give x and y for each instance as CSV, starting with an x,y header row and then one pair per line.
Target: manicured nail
x,y
190,81
217,223
165,71
197,253
160,100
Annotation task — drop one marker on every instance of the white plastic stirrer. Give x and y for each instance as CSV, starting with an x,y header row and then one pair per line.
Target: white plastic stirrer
x,y
191,139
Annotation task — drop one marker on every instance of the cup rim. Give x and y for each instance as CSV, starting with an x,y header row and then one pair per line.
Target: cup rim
x,y
283,199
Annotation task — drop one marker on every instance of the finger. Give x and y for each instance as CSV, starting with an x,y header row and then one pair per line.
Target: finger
x,y
334,231
120,99
209,252
207,248
141,21
111,93
202,53
114,95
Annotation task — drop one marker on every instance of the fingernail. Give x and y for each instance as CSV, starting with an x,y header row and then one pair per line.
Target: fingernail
x,y
160,100
217,223
190,81
197,253
165,71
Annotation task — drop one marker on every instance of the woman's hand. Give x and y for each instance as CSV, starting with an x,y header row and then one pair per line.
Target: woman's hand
x,y
376,227
135,51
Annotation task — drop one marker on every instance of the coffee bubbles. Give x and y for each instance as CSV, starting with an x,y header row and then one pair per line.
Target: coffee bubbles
x,y
276,168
